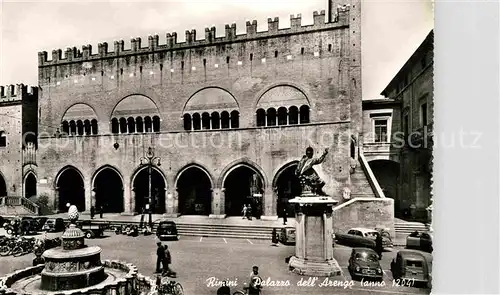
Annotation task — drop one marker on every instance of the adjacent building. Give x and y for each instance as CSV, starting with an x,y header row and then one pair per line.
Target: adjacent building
x,y
398,134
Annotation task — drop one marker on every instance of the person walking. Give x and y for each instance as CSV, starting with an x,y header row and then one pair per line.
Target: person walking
x,y
101,208
167,259
249,212
244,211
255,284
378,245
92,212
160,256
275,237
284,216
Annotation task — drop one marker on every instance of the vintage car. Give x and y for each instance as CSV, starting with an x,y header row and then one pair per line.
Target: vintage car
x,y
167,230
287,236
54,225
40,221
364,263
413,267
358,237
91,229
419,241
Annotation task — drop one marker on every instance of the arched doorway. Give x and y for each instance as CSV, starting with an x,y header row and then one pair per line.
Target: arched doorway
x,y
195,192
387,174
71,189
243,185
287,186
108,188
141,190
30,186
3,186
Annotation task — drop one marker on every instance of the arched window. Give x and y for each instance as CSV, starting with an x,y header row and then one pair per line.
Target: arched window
x,y
224,119
156,124
282,116
79,127
3,139
215,120
93,123
261,117
123,125
86,127
187,122
131,125
196,121
65,127
205,121
271,117
235,119
304,114
139,124
72,127
114,126
293,115
148,124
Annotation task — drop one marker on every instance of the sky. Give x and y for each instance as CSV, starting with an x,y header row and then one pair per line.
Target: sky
x,y
391,29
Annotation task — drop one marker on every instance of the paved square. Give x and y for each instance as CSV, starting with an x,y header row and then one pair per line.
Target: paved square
x,y
198,259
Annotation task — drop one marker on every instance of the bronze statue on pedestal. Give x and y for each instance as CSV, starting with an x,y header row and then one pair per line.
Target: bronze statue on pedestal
x,y
310,182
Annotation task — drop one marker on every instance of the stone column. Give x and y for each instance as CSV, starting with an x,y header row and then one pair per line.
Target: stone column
x,y
300,249
217,199
128,200
269,204
56,199
88,198
328,234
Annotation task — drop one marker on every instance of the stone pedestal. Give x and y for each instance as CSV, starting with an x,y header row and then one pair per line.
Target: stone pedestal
x,y
314,237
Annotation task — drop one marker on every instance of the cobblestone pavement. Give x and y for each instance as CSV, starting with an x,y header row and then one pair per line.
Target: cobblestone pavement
x,y
197,260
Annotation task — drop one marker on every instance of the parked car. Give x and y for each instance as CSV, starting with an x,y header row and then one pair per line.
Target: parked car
x,y
364,263
40,221
413,267
358,237
419,241
91,229
167,230
54,225
287,236
28,225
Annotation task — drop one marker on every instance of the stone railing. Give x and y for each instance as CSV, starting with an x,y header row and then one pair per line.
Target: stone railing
x,y
131,283
20,201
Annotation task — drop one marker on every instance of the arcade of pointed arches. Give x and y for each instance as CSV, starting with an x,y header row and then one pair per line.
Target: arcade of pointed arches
x,y
242,182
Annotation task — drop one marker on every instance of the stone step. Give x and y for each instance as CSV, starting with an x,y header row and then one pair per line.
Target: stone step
x,y
226,235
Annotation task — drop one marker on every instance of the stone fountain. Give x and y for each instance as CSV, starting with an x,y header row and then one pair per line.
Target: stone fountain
x,y
74,268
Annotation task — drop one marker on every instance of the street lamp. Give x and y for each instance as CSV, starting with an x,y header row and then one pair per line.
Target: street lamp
x,y
150,160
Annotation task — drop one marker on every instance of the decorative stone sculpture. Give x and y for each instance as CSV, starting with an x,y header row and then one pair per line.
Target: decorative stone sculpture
x,y
310,182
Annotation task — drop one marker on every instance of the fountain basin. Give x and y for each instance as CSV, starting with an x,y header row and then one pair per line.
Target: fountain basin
x,y
120,278
72,269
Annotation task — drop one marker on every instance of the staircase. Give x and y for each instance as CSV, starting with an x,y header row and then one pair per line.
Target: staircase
x,y
18,206
406,228
360,186
225,231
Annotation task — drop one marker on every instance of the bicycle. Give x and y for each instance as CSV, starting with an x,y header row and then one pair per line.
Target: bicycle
x,y
168,288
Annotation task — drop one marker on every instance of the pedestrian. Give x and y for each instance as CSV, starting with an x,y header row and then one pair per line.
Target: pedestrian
x,y
160,255
378,245
284,216
249,212
224,289
167,259
244,211
275,237
101,208
255,284
92,212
